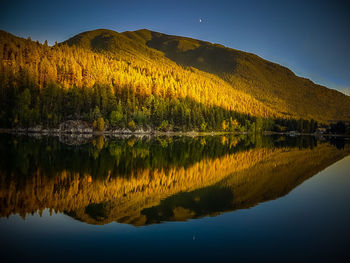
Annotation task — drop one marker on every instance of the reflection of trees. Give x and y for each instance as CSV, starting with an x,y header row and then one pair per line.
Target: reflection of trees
x,y
23,156
69,191
118,157
275,175
124,182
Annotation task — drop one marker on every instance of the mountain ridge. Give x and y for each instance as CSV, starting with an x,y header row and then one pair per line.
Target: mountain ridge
x,y
270,83
143,31
146,79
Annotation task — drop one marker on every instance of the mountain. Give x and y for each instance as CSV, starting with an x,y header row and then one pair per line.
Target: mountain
x,y
142,78
272,84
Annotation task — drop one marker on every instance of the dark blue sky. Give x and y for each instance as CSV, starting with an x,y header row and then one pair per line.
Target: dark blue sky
x,y
310,37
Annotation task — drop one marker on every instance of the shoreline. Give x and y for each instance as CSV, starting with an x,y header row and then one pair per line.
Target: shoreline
x,y
141,132
54,132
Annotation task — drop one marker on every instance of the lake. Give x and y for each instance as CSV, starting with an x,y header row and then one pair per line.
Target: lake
x,y
174,199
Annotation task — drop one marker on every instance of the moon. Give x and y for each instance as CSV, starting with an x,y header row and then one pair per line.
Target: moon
x,y
200,20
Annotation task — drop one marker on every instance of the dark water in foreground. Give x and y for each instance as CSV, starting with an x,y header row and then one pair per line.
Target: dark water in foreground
x,y
178,199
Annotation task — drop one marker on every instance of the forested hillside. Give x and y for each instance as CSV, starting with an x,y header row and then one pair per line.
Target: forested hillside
x,y
274,85
120,80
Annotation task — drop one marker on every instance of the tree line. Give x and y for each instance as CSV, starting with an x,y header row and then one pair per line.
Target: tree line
x,y
42,85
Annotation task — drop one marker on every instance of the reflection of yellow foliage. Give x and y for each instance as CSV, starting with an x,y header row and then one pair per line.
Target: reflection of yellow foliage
x,y
100,142
182,214
163,142
144,188
127,197
233,142
95,154
223,140
115,150
131,142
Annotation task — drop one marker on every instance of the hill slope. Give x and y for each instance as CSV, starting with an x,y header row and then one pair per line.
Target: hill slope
x,y
128,71
272,84
276,86
145,78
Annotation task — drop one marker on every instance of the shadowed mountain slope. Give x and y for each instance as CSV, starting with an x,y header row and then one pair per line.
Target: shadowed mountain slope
x,y
270,83
274,85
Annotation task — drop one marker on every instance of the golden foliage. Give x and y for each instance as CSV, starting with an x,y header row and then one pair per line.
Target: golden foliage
x,y
144,71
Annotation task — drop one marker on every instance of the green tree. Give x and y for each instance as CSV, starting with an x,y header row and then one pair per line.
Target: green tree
x,y
23,106
115,118
203,126
51,97
100,124
164,125
96,113
224,125
132,125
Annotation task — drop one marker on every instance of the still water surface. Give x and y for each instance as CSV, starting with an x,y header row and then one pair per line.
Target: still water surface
x,y
161,199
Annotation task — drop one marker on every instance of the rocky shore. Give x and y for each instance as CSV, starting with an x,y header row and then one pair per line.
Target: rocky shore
x,y
73,127
83,129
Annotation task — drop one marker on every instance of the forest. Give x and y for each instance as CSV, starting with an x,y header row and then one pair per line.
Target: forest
x,y
135,88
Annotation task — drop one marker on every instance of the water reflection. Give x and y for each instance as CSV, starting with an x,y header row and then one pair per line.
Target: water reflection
x,y
150,180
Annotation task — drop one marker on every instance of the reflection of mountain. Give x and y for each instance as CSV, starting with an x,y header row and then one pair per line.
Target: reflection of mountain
x,y
154,194
276,174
